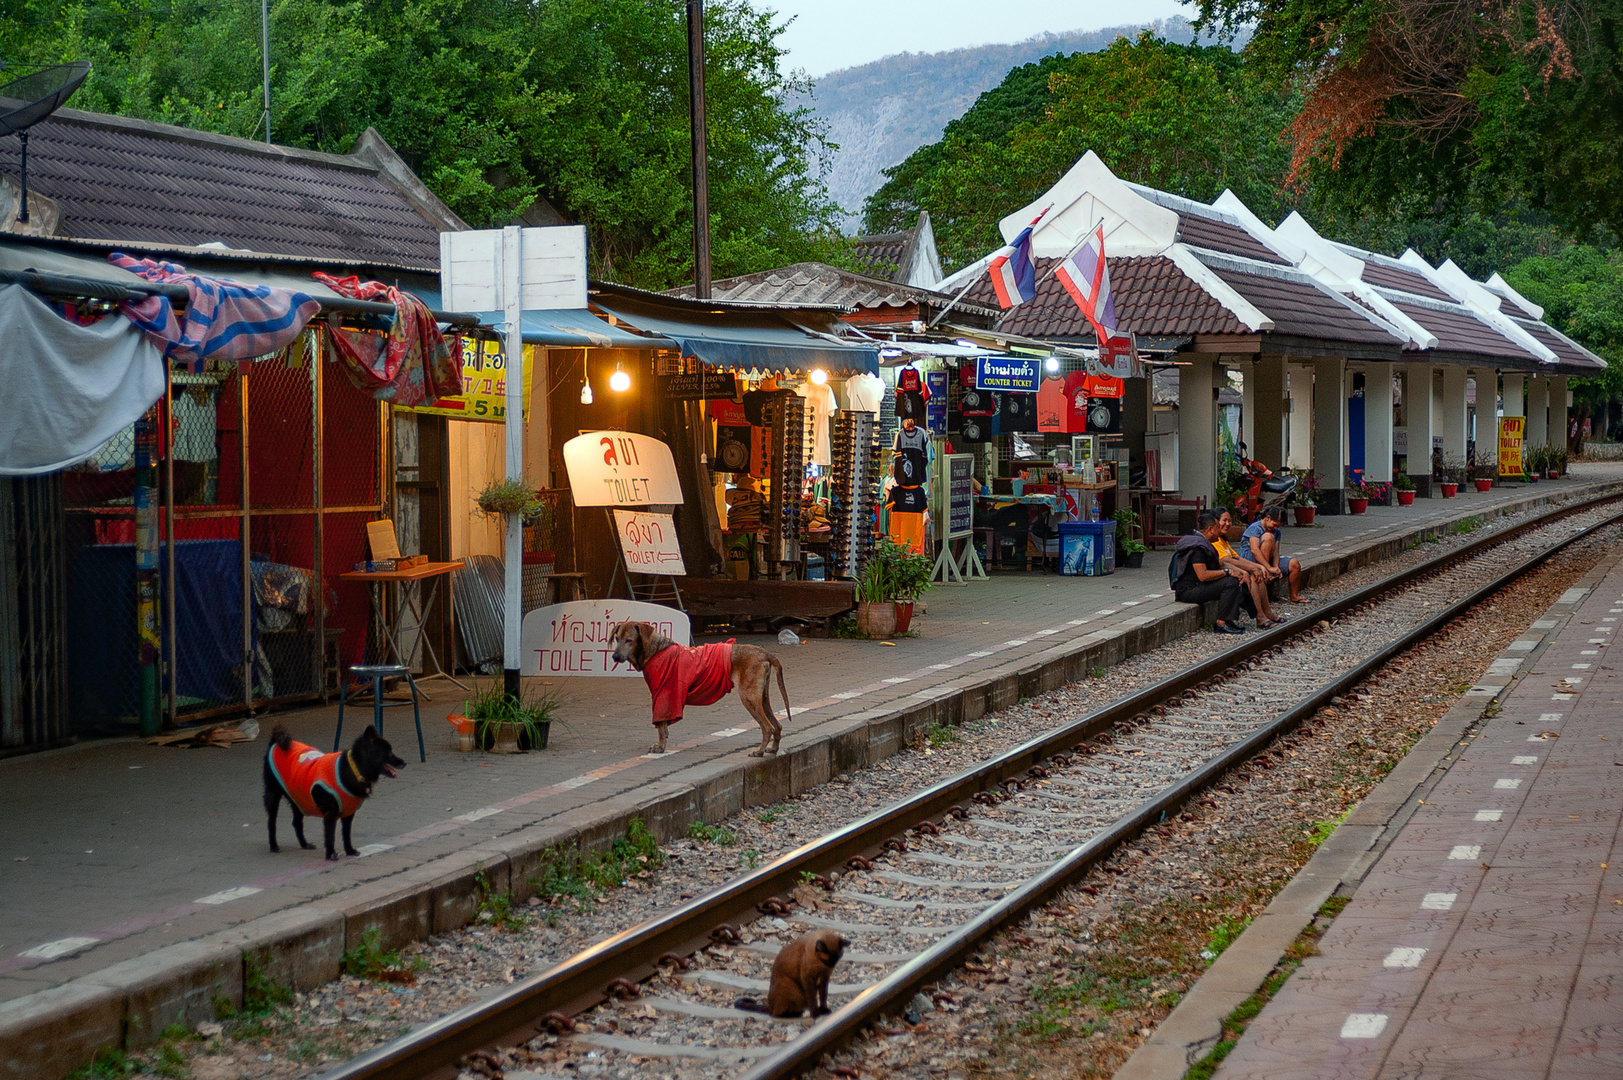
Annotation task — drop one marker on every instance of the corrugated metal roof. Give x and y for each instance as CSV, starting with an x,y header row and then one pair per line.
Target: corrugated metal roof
x,y
127,181
881,254
819,283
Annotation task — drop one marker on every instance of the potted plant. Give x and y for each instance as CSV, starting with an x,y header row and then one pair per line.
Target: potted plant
x,y
1304,500
492,719
1129,551
1453,473
1358,496
1484,475
1405,489
892,580
1556,463
501,497
1532,464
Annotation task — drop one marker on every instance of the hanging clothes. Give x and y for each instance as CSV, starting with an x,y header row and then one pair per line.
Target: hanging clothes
x,y
411,363
821,405
864,392
225,319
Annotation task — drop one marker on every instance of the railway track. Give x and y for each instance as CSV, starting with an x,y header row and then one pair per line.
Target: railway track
x,y
919,886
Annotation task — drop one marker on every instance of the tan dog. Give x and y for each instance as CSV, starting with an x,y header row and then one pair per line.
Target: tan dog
x,y
800,976
678,676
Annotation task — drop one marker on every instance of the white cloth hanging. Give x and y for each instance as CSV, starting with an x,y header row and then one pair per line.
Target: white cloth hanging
x,y
821,403
865,392
68,389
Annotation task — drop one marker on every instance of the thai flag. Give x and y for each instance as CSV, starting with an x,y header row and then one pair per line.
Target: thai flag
x,y
1086,277
1014,276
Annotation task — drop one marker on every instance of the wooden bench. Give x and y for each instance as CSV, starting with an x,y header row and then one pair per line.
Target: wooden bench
x,y
814,602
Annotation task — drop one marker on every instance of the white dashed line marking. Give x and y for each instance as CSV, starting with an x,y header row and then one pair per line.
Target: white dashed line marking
x,y
727,733
1524,759
375,849
482,812
225,896
61,947
1439,901
1551,717
1507,785
1466,851
1489,815
1403,957
1363,1025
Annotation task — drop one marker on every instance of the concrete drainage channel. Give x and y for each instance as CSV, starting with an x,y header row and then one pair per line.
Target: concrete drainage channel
x,y
129,1004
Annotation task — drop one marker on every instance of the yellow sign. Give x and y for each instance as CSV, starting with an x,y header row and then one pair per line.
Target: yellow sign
x,y
484,384
1511,429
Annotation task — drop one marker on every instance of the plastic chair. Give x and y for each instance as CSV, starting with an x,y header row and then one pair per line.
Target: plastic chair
x,y
377,673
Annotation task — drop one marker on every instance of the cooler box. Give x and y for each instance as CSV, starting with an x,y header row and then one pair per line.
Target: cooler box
x,y
1087,548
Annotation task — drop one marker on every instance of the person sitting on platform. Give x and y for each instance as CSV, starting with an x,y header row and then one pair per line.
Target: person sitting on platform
x,y
1260,544
1198,575
1253,577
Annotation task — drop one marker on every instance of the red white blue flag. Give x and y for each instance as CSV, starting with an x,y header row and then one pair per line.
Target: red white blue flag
x,y
1014,275
1086,277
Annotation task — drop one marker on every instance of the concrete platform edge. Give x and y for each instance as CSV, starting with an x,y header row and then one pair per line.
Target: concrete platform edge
x,y
48,1033
1194,1027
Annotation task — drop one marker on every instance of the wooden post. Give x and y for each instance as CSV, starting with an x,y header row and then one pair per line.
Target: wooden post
x,y
701,161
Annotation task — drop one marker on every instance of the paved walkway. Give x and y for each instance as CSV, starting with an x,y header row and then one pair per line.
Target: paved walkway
x,y
114,849
1487,941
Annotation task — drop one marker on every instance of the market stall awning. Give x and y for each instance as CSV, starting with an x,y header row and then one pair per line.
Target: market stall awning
x,y
743,338
574,328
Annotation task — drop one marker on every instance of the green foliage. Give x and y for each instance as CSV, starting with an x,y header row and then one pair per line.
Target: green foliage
x,y
369,960
894,573
1186,119
1224,934
260,992
1322,829
941,735
571,109
637,853
1126,521
767,817
752,858
560,880
1468,525
1581,292
492,708
711,834
496,908
108,1064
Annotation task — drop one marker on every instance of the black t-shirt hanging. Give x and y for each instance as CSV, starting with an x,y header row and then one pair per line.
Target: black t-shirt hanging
x,y
1016,412
976,429
910,405
909,499
909,466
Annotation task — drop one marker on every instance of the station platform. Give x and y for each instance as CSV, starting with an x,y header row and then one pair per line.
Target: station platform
x,y
137,877
1486,941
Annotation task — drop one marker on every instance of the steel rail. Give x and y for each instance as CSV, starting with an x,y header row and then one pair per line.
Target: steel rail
x,y
522,1011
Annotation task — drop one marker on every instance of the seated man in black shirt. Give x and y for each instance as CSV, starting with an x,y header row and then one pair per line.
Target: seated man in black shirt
x,y
1199,576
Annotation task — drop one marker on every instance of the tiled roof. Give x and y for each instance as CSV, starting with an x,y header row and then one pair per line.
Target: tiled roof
x,y
1387,276
1303,309
881,255
117,179
1568,351
1153,299
819,283
1458,330
1205,232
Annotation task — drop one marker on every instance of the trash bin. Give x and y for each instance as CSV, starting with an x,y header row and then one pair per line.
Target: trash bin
x,y
1087,548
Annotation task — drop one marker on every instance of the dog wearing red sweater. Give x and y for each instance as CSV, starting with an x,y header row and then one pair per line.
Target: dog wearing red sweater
x,y
678,675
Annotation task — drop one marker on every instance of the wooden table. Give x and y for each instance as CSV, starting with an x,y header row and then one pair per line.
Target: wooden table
x,y
408,592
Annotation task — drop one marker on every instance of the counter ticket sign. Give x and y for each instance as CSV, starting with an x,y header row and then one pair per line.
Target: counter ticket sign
x,y
1010,376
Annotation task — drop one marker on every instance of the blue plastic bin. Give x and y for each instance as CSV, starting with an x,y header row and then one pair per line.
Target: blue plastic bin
x,y
1087,548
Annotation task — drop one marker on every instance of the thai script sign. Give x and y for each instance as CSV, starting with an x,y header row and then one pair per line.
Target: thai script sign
x,y
649,543
484,385
577,638
1010,376
1511,429
621,468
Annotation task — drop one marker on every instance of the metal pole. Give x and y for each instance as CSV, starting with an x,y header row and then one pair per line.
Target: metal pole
x,y
264,53
318,422
244,530
170,630
701,160
513,425
22,206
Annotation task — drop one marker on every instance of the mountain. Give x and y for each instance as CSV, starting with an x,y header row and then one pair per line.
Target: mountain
x,y
880,112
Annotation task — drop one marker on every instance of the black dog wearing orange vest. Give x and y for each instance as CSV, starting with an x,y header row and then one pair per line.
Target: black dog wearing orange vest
x,y
703,675
329,786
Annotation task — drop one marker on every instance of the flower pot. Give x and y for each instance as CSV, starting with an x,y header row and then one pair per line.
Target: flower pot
x,y
1357,506
1305,514
1449,490
1484,485
876,620
1405,498
904,616
1134,561
509,738
461,731
1552,475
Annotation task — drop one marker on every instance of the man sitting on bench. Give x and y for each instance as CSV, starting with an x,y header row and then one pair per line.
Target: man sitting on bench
x,y
1198,575
1260,544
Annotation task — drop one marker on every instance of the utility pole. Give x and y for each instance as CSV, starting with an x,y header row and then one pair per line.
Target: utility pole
x,y
264,54
701,160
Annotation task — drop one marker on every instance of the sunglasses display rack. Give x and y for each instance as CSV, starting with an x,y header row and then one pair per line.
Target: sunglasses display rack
x,y
853,491
785,417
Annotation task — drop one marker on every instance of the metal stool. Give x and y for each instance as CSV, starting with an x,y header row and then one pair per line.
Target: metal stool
x,y
377,673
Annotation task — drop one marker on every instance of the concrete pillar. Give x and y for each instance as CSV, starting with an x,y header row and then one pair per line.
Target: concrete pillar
x,y
1247,432
1268,430
1135,418
1510,401
1558,412
1300,442
1378,422
1538,411
1418,417
1330,430
1451,419
1197,427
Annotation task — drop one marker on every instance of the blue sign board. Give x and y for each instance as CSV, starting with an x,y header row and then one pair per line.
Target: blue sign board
x,y
1006,374
935,409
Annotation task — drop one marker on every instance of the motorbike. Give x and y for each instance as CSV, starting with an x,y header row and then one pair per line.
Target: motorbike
x,y
1261,489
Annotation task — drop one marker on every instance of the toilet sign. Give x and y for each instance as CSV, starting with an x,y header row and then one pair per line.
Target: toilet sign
x,y
648,542
621,468
577,638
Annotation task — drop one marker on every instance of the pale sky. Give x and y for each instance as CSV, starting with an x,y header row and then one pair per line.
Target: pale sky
x,y
831,34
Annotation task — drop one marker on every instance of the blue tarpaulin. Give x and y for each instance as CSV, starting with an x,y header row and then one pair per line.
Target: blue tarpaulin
x,y
742,338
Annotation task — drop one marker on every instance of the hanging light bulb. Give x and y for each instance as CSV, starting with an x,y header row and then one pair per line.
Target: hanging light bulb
x,y
586,392
620,381
1052,363
819,377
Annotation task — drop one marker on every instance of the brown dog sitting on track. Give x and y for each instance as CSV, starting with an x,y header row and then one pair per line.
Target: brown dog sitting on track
x,y
678,676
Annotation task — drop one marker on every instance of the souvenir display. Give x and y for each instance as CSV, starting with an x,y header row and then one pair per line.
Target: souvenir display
x,y
853,491
1016,412
784,417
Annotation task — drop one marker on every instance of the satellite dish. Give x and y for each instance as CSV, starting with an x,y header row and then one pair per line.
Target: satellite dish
x,y
26,101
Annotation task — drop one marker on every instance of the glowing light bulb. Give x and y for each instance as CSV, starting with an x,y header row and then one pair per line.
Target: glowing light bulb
x,y
620,381
1052,363
819,377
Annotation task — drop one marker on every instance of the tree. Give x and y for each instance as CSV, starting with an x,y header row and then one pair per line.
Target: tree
x,y
503,107
1186,119
1581,292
